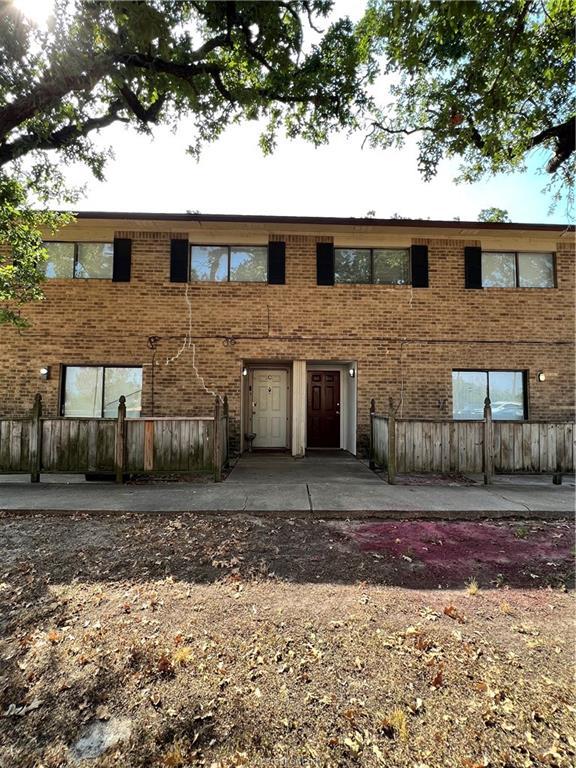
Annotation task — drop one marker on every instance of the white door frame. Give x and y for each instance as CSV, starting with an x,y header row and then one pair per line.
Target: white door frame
x,y
348,400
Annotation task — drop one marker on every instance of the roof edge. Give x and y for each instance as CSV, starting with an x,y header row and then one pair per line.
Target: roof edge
x,y
321,220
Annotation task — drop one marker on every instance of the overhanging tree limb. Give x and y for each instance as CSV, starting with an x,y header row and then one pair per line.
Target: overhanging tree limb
x,y
50,91
60,138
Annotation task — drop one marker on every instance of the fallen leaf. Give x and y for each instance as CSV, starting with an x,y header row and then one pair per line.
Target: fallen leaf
x,y
454,613
165,666
438,679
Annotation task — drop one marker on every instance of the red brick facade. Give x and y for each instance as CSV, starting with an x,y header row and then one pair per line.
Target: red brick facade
x,y
404,341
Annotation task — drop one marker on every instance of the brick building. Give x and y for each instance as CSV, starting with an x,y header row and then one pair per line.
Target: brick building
x,y
300,322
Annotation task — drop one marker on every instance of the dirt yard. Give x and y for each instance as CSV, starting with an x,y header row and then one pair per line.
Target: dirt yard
x,y
179,640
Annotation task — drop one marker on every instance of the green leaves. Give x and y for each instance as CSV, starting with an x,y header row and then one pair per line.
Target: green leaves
x,y
23,253
483,81
494,214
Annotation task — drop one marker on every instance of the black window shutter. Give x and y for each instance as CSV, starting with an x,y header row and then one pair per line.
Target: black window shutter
x,y
419,259
324,263
473,267
122,260
277,262
178,261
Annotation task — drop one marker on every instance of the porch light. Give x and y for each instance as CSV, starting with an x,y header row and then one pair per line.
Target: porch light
x,y
541,376
352,373
45,373
244,371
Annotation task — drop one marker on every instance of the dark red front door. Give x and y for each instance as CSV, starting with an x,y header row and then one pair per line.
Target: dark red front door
x,y
323,409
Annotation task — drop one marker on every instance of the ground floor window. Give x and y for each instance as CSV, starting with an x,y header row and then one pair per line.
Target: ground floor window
x,y
506,390
94,390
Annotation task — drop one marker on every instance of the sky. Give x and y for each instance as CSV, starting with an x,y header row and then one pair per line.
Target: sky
x,y
339,179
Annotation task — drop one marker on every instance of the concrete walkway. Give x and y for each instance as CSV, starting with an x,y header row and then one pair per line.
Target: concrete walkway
x,y
325,486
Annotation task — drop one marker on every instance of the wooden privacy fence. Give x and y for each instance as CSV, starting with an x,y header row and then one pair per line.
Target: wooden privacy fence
x,y
121,446
486,446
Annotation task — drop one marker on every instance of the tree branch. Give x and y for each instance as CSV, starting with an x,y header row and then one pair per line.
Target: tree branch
x,y
60,138
565,144
405,131
156,64
308,10
144,114
50,91
518,28
220,41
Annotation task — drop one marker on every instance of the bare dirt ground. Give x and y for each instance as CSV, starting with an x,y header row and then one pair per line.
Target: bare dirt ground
x,y
180,640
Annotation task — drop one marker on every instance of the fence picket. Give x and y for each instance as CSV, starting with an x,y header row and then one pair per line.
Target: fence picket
x,y
458,446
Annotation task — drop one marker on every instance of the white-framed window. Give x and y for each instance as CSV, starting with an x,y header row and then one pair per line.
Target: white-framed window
x,y
380,266
506,390
229,263
517,269
95,390
68,260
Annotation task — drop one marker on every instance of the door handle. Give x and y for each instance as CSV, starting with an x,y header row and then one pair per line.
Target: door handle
x,y
337,413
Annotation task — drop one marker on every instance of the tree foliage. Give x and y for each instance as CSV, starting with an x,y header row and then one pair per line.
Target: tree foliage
x,y
145,63
494,214
483,80
21,231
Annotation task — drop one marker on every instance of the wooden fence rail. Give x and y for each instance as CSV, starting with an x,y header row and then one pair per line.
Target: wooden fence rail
x,y
486,446
121,446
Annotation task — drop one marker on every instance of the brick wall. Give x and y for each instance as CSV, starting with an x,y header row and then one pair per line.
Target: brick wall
x,y
405,341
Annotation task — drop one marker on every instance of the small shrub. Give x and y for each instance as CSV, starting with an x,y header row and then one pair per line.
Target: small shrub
x,y
472,587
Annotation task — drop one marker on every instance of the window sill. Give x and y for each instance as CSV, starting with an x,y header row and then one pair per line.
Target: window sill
x,y
220,283
373,285
517,288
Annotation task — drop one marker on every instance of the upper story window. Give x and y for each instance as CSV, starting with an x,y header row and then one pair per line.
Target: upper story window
x,y
229,263
511,269
94,391
383,266
79,260
506,390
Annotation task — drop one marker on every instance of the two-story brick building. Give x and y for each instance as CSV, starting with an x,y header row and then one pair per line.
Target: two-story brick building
x,y
299,321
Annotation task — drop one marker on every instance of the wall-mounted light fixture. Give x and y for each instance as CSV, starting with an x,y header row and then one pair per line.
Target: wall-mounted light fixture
x,y
541,376
352,373
244,371
45,372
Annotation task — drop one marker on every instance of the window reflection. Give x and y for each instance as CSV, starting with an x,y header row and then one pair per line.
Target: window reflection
x,y
221,263
94,391
504,388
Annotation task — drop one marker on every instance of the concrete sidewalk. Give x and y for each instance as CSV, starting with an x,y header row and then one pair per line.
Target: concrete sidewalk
x,y
356,495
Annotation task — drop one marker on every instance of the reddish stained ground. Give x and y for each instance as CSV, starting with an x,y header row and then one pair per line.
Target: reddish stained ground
x,y
519,552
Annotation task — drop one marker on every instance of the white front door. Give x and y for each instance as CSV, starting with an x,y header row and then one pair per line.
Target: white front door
x,y
269,408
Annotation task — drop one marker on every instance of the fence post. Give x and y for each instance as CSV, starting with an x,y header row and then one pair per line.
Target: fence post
x,y
121,440
217,439
36,439
391,445
225,411
371,462
488,445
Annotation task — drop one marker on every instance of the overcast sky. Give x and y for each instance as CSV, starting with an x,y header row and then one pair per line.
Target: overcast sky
x,y
340,179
